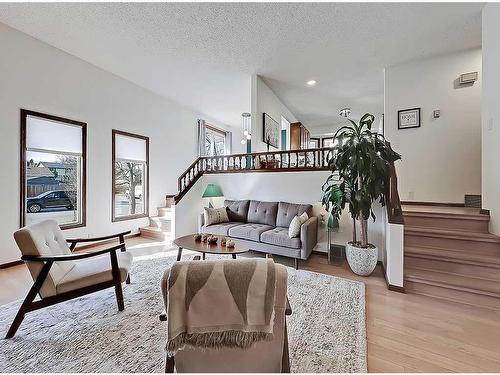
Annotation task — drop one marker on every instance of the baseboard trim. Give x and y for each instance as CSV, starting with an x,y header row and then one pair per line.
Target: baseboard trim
x,y
416,203
392,288
316,252
78,248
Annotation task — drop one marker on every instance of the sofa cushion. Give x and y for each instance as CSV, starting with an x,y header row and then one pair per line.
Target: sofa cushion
x,y
279,237
287,211
221,228
237,210
250,231
262,212
92,271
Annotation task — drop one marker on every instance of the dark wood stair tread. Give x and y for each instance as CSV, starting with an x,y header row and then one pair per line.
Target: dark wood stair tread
x,y
453,234
453,281
448,215
455,256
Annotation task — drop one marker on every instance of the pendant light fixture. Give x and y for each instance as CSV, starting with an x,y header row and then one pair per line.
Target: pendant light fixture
x,y
247,131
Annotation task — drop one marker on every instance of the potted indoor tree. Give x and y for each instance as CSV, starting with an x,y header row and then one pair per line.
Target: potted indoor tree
x,y
360,162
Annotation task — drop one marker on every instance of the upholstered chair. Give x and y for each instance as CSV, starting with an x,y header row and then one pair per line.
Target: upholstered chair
x,y
60,275
264,356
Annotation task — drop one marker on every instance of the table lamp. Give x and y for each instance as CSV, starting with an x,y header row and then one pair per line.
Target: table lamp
x,y
212,191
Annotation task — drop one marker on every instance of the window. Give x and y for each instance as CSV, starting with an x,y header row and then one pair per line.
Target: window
x,y
215,141
53,171
130,176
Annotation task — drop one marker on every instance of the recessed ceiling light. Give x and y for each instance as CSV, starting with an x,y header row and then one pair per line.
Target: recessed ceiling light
x,y
312,82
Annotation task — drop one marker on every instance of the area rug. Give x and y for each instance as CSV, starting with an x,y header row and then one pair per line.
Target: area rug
x,y
327,330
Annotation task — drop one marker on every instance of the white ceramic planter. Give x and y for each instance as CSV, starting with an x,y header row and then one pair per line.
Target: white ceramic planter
x,y
362,261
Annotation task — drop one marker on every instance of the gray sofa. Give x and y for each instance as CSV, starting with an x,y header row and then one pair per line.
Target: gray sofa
x,y
263,226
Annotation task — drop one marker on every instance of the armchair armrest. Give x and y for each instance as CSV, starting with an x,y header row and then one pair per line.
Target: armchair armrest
x,y
59,258
117,235
309,236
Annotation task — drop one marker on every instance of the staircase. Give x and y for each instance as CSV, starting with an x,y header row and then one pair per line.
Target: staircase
x,y
450,254
160,227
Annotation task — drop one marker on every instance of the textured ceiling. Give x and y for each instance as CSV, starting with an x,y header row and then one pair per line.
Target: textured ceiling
x,y
202,55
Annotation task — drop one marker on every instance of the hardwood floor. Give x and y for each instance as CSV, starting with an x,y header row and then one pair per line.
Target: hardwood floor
x,y
405,332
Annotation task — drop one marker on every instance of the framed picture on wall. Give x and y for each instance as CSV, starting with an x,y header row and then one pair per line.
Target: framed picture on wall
x,y
271,131
313,142
409,118
327,142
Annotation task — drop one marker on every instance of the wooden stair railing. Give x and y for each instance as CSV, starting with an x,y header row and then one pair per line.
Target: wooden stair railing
x,y
315,159
392,202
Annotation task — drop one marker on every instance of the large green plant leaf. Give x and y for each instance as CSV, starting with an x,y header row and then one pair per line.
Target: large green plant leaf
x,y
362,158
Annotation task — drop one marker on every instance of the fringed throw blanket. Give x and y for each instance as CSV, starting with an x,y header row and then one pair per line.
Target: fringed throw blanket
x,y
214,304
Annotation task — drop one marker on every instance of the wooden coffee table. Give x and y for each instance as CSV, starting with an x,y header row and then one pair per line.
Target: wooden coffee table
x,y
188,242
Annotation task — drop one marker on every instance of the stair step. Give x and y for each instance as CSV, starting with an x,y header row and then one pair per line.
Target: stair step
x,y
455,268
460,240
451,293
453,256
163,222
164,211
458,262
450,233
467,219
454,281
154,232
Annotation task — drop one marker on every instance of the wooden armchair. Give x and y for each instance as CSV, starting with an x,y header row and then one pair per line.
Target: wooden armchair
x,y
60,275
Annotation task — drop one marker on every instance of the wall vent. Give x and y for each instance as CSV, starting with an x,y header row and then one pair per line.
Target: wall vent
x,y
468,78
473,201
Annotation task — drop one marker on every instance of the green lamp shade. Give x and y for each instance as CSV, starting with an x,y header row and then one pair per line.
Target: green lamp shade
x,y
212,191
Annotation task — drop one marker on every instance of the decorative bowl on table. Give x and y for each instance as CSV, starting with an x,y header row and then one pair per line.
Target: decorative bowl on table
x,y
197,237
230,244
223,241
212,240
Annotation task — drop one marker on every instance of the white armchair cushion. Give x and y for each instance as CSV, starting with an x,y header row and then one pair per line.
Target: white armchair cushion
x,y
93,271
44,238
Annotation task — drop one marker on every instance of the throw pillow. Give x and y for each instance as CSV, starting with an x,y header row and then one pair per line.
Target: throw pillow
x,y
304,217
294,228
296,224
215,215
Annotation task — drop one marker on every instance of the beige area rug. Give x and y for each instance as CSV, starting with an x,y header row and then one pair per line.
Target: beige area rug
x,y
327,330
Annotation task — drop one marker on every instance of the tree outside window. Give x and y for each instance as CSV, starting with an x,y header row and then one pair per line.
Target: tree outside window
x,y
215,141
130,171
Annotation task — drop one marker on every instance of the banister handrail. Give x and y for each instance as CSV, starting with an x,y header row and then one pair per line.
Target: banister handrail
x,y
278,161
393,203
312,159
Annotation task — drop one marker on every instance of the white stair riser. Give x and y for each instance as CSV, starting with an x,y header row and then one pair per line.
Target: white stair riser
x,y
164,211
165,225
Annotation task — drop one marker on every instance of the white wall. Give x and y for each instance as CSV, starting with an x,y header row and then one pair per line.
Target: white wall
x,y
491,114
441,160
265,101
36,76
296,187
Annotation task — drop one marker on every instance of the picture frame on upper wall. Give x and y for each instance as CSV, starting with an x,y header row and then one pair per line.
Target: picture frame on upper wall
x,y
271,131
409,118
